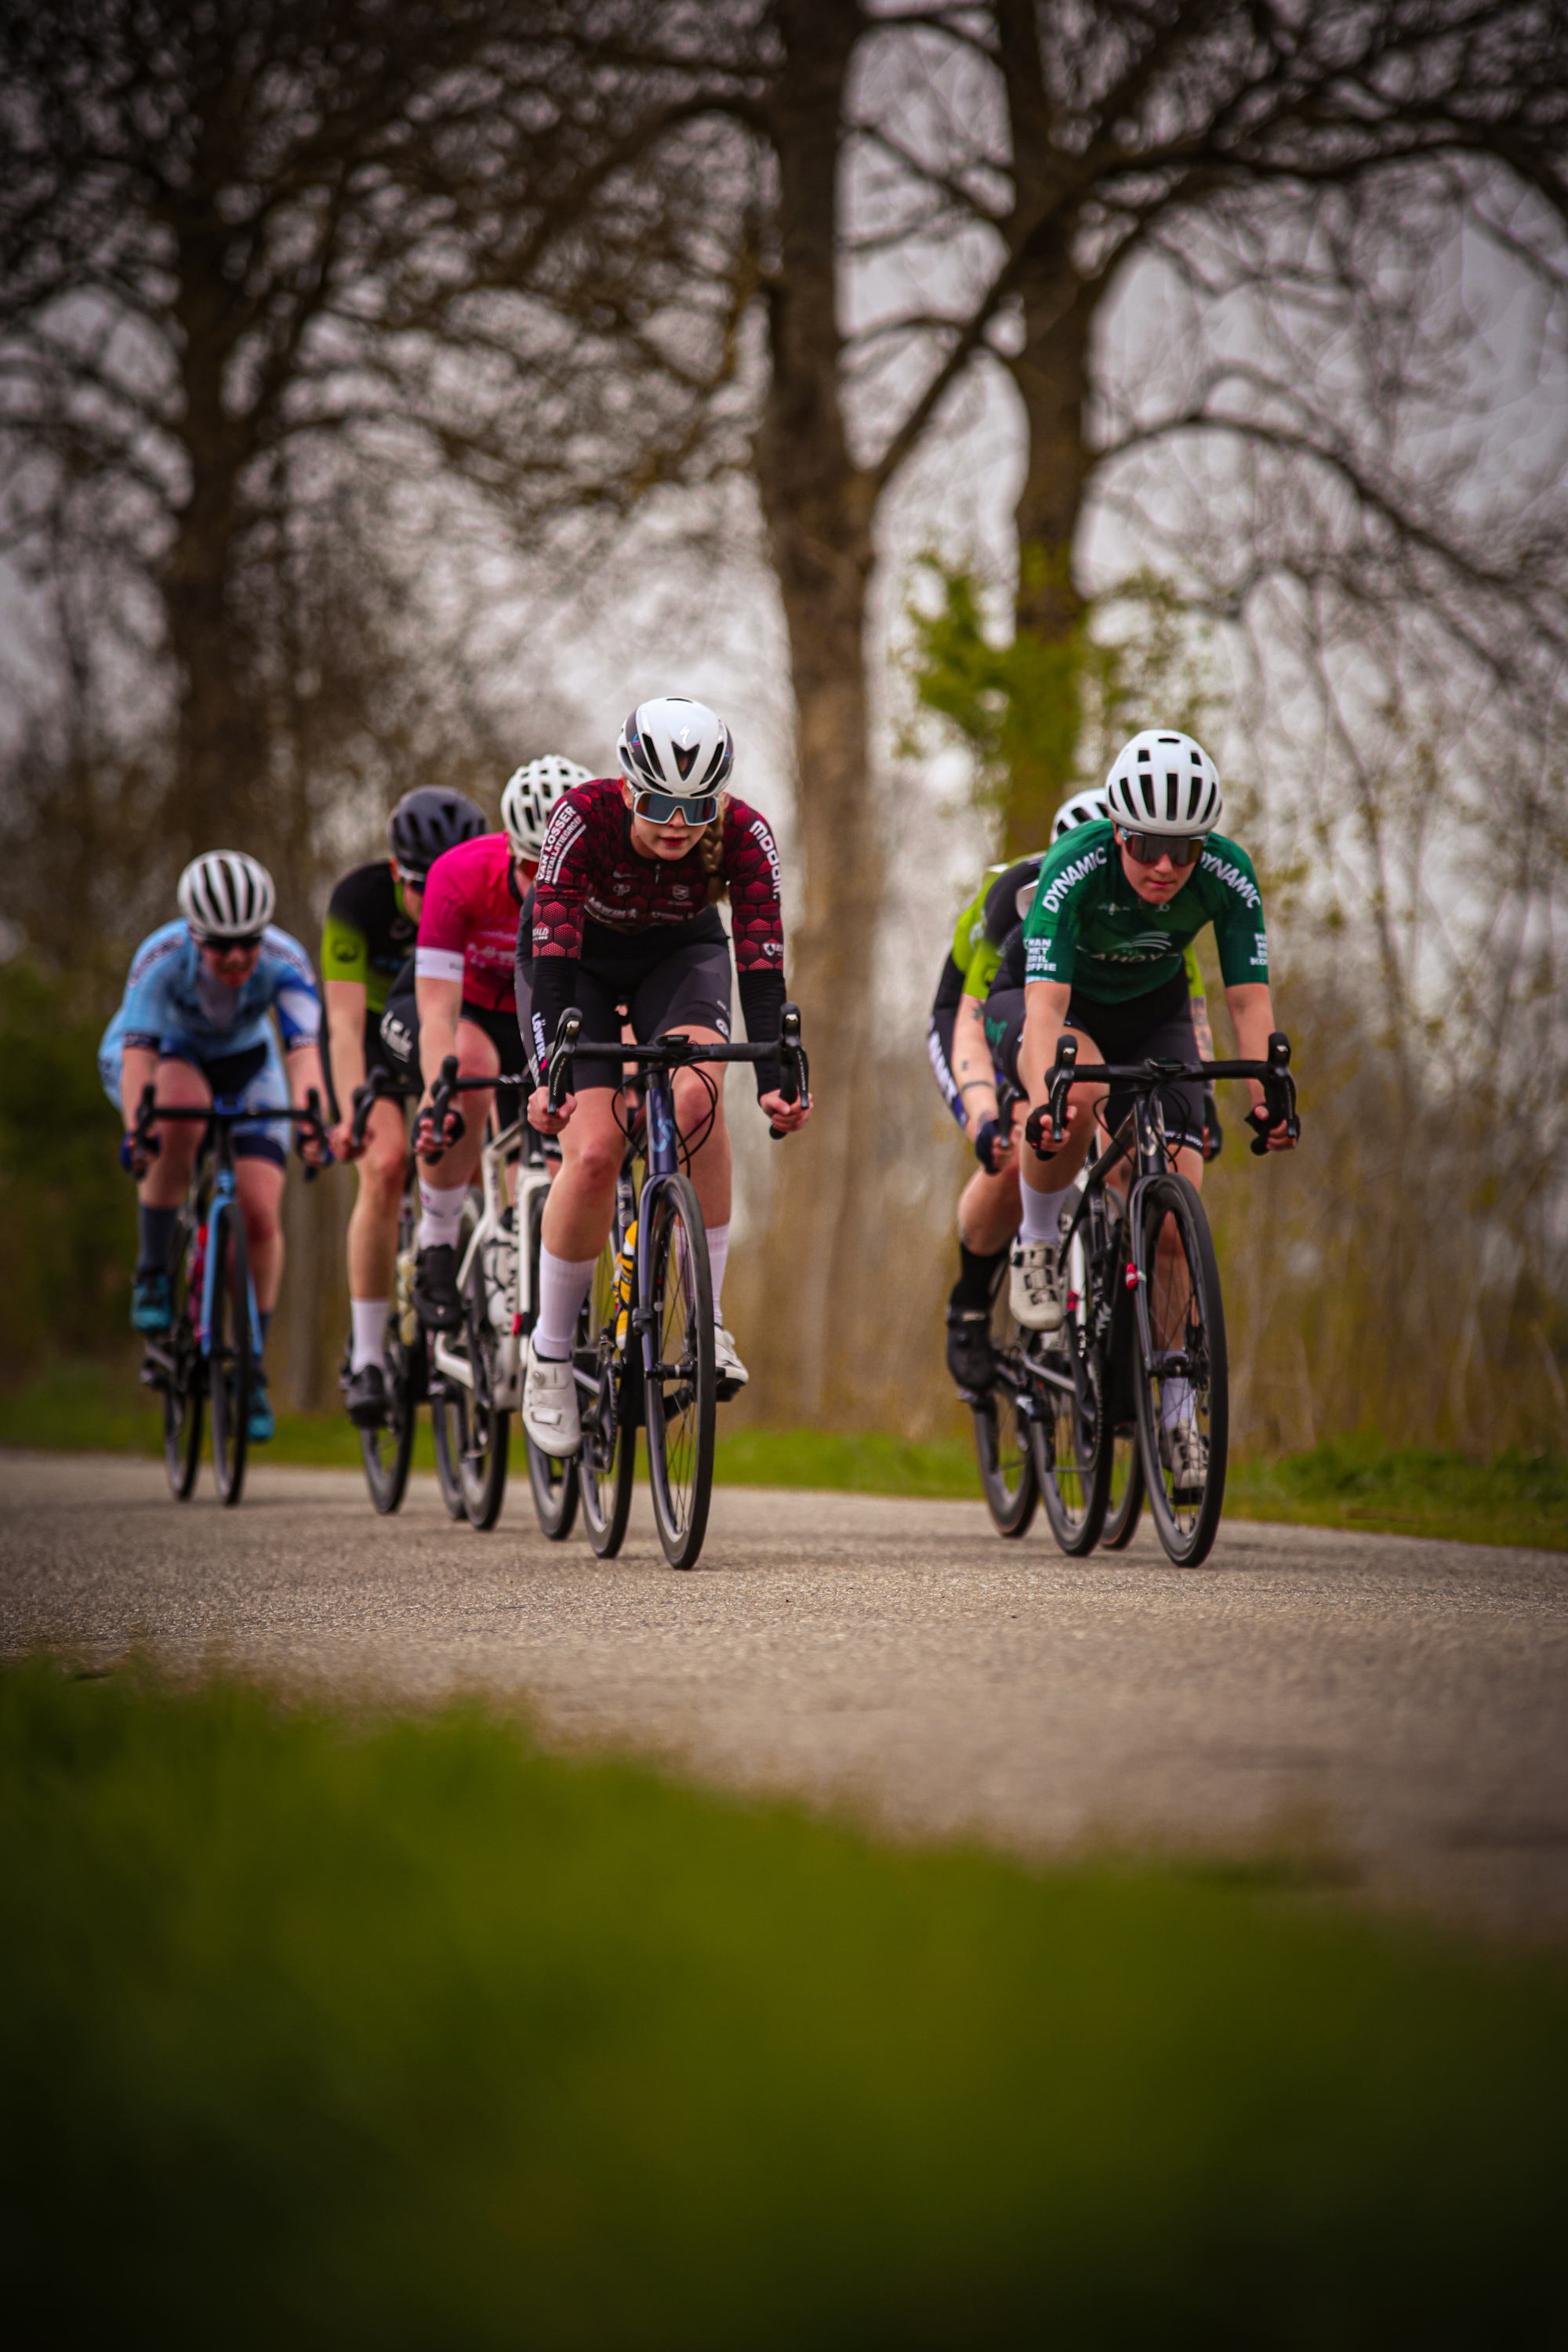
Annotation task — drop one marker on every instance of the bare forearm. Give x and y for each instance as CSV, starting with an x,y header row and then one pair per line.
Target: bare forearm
x,y
138,1068
345,1027
972,1069
1201,1029
1252,1018
440,1009
1045,1011
304,1068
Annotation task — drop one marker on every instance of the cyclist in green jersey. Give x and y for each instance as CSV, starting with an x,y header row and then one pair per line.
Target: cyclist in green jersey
x,y
978,1082
373,919
1115,908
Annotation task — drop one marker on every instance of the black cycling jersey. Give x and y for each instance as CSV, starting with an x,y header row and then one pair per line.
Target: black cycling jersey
x,y
368,933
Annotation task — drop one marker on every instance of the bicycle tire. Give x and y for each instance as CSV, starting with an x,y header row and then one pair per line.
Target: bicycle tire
x,y
1183,1291
182,1389
450,1424
1125,1506
482,1463
1009,1477
607,1467
555,1483
1074,1452
229,1363
680,1442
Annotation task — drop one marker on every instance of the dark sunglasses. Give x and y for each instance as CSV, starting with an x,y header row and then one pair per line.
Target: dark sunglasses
x,y
1148,848
663,808
251,941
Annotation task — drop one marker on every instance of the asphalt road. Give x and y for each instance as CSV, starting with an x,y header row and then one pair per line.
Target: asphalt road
x,y
1395,1706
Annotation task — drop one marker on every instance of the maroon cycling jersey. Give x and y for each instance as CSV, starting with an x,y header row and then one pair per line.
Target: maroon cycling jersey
x,y
590,873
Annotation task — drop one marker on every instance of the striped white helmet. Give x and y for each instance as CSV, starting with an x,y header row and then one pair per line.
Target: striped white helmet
x,y
678,746
1161,782
226,895
1084,808
530,796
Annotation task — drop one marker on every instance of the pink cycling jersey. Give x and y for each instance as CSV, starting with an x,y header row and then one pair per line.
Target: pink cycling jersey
x,y
468,923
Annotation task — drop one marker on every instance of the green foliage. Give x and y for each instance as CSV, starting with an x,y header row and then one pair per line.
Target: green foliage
x,y
67,1214
1045,717
1423,1490
315,2030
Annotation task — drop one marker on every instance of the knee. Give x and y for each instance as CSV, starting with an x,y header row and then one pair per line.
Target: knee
x,y
693,1104
599,1163
380,1180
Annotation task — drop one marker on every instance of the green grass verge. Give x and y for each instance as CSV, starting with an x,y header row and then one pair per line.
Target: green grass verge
x,y
1356,1482
316,2030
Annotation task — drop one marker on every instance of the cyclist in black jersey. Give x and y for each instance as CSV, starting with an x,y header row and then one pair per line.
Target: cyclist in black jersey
x,y
373,917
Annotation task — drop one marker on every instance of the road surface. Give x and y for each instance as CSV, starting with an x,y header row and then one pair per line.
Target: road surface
x,y
1394,1706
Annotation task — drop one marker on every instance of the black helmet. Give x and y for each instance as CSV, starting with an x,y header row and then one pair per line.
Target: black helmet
x,y
428,821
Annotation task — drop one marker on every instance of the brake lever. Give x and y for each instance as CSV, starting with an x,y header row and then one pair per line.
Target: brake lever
x,y
568,1029
794,1069
441,1109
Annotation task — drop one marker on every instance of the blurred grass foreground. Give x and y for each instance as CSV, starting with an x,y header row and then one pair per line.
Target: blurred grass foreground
x,y
1350,1482
318,2030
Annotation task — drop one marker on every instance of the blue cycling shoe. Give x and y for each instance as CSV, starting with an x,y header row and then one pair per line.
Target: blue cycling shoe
x,y
261,1424
151,1303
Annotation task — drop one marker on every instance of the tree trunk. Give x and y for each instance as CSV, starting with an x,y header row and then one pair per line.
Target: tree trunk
x,y
819,506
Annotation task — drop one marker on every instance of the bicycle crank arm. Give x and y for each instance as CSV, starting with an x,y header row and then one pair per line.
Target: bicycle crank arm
x,y
454,1367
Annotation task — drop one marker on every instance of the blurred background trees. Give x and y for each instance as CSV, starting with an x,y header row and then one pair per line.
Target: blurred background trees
x,y
357,357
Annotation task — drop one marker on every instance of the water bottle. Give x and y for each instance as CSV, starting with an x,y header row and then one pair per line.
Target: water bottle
x,y
626,1285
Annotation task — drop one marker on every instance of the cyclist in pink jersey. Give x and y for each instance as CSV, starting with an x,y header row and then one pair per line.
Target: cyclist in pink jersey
x,y
463,963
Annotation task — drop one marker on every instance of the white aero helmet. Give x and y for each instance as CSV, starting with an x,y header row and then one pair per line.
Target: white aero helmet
x,y
530,796
676,746
1084,808
226,895
1164,782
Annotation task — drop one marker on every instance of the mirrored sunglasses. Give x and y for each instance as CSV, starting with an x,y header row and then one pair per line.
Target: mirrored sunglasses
x,y
1148,848
663,808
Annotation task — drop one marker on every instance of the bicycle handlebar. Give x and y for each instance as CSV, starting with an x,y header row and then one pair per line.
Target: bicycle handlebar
x,y
1273,1075
674,1050
440,1111
225,1111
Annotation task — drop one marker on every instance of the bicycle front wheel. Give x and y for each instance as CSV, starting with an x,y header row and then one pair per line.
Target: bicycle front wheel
x,y
1125,1508
555,1483
180,1373
606,1466
482,1463
1007,1457
680,1390
229,1355
1182,1391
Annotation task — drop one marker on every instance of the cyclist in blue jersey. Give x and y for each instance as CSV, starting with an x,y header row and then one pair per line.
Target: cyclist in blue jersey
x,y
196,1020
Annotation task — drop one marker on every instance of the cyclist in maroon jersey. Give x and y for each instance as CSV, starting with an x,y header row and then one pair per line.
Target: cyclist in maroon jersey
x,y
626,914
463,963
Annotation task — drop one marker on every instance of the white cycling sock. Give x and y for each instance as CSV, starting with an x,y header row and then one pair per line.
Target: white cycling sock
x,y
718,1251
443,1207
562,1287
1177,1403
370,1330
1041,1211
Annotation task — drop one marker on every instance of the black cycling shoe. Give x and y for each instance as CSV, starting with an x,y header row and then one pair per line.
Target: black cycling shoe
x,y
436,1299
970,1357
366,1397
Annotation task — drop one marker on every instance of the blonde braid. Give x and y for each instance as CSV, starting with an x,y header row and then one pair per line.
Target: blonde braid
x,y
710,849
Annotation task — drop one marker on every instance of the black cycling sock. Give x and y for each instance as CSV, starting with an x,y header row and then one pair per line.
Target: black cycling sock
x,y
154,1233
978,1278
264,1317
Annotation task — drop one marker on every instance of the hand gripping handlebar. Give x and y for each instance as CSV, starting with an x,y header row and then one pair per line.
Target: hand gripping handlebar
x,y
1056,1107
795,1070
1278,1097
1273,1075
441,1109
568,1030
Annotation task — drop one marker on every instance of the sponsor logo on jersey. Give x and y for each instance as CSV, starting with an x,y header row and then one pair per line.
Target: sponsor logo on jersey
x,y
566,827
1261,951
773,948
764,842
1050,899
1234,878
1040,963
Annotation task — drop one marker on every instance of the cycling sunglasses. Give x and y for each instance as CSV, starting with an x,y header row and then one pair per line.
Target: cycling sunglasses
x,y
1148,848
663,808
412,881
251,941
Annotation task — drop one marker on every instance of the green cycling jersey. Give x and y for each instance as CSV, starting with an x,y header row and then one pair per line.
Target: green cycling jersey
x,y
1088,928
981,934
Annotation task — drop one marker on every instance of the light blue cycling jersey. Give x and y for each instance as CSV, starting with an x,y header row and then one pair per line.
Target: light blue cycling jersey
x,y
174,1006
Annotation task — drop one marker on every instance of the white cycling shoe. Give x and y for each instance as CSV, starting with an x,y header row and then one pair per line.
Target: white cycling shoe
x,y
1034,1293
1185,1450
549,1413
731,1372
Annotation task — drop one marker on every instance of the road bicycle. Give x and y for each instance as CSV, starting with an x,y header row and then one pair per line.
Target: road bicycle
x,y
387,1450
645,1353
214,1341
1107,1404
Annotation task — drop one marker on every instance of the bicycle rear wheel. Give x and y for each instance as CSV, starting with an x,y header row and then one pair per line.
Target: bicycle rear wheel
x,y
180,1370
1125,1508
229,1358
1002,1442
1183,1390
483,1460
1074,1444
555,1483
679,1393
607,1467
